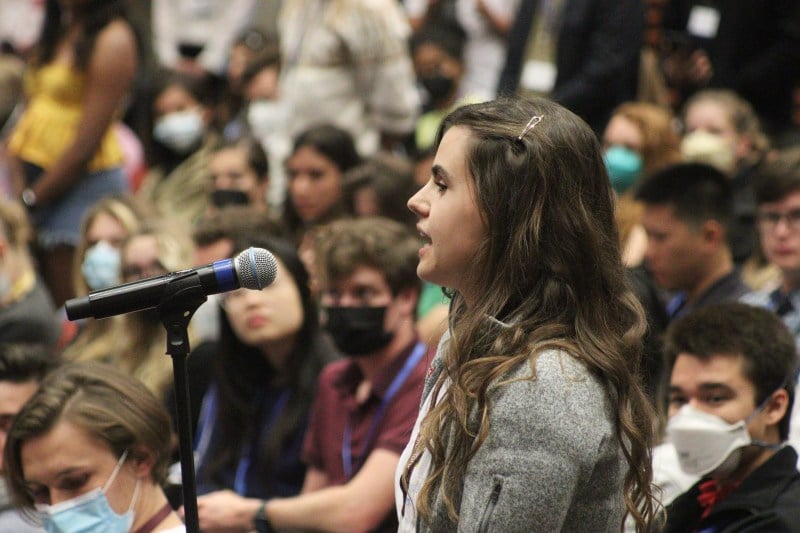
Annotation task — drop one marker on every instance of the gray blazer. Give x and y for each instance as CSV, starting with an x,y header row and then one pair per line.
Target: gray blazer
x,y
551,461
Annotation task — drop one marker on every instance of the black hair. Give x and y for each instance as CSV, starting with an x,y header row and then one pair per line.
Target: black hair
x,y
95,15
240,370
778,178
22,362
758,335
696,192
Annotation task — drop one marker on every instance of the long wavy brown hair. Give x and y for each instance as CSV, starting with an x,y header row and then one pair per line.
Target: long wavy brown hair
x,y
550,267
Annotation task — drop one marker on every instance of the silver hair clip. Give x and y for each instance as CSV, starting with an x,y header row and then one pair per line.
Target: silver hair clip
x,y
535,119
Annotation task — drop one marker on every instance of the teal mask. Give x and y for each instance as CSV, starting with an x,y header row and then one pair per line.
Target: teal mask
x,y
624,167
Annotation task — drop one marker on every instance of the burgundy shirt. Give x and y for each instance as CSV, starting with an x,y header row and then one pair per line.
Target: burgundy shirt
x,y
335,404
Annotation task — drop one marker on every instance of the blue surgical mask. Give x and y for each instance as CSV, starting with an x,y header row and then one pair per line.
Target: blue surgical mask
x,y
624,167
90,512
180,131
100,266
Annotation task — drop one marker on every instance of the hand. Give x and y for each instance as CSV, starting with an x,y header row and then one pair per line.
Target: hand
x,y
225,511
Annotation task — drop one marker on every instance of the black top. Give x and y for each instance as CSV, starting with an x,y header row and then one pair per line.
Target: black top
x,y
767,500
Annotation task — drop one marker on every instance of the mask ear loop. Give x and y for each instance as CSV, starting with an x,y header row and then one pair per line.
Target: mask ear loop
x,y
115,471
758,409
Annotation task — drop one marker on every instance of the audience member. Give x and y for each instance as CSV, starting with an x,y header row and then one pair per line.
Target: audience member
x,y
531,415
486,24
346,62
214,236
249,45
319,158
27,313
196,37
687,212
239,174
136,342
777,196
265,115
95,437
265,367
721,129
584,54
177,182
747,46
81,72
437,53
730,394
106,225
639,139
367,402
22,368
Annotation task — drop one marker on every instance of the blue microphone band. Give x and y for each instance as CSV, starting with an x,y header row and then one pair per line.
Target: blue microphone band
x,y
225,274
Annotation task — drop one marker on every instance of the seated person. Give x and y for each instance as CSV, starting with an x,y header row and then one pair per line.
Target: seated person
x,y
730,395
88,428
27,313
265,368
687,213
366,403
22,368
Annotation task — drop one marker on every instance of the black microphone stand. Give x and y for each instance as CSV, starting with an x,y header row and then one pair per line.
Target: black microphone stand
x,y
181,298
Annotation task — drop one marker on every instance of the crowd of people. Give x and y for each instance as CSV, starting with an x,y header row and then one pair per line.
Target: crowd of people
x,y
537,264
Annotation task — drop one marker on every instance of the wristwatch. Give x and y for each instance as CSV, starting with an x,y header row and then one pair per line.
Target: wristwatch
x,y
29,197
260,520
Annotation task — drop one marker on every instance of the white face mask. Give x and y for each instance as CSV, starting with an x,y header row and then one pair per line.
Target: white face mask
x,y
707,444
704,147
265,117
180,131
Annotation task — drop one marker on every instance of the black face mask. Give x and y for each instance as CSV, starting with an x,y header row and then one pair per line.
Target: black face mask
x,y
223,197
358,331
438,86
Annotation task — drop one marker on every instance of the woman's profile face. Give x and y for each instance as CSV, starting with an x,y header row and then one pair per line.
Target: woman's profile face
x,y
449,218
315,183
271,316
67,461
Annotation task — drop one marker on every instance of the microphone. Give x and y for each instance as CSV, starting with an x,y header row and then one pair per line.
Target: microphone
x,y
254,268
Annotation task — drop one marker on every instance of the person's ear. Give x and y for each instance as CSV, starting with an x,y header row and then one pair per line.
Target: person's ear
x,y
143,459
776,407
713,232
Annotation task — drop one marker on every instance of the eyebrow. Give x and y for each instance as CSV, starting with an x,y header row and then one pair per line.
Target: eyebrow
x,y
440,172
703,387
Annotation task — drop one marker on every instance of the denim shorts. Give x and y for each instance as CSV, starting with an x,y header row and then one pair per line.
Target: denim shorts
x,y
59,222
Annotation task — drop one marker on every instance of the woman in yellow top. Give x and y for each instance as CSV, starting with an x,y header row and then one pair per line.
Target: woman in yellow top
x,y
80,72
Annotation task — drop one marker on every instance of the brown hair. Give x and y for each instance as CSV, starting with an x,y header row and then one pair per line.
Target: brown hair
x,y
99,399
549,266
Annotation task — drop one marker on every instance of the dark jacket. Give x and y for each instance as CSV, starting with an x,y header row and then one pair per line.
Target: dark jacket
x,y
597,55
767,500
755,52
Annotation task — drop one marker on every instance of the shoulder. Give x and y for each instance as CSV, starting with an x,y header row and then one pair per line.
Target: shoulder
x,y
561,399
334,371
118,35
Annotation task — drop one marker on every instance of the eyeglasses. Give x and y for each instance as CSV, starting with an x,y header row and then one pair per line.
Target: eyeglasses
x,y
768,220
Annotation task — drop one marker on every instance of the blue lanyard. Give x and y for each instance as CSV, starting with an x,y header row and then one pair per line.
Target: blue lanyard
x,y
240,482
397,382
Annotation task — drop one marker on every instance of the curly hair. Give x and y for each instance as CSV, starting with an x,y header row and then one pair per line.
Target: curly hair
x,y
549,266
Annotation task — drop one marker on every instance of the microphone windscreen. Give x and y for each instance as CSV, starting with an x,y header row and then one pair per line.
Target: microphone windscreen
x,y
255,268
